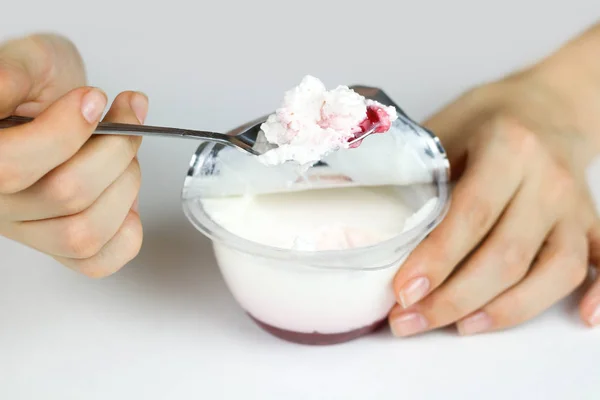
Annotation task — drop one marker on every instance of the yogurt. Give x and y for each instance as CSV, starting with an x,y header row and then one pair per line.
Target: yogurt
x,y
310,252
313,304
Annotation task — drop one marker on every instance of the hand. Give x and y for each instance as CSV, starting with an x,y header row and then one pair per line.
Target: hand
x,y
522,226
63,191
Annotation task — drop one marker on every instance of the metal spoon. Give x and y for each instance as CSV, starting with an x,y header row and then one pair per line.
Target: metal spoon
x,y
251,140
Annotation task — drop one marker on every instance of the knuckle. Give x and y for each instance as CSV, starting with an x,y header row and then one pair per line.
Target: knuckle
x,y
518,139
132,237
515,261
68,193
130,243
561,182
479,213
80,239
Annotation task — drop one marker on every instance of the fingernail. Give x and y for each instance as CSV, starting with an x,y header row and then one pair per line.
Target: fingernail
x,y
476,323
93,105
408,324
413,291
595,317
139,105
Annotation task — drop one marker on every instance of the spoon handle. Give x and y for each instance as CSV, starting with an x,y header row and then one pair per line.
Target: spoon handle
x,y
113,128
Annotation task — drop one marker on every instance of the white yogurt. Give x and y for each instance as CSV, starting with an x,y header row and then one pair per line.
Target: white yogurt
x,y
297,297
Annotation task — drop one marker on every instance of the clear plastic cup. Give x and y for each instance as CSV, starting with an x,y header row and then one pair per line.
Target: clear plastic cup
x,y
332,296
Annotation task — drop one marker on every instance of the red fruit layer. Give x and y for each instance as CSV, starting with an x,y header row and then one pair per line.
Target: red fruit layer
x,y
316,338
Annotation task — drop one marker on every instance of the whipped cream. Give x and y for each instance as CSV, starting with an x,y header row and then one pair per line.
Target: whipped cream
x,y
313,122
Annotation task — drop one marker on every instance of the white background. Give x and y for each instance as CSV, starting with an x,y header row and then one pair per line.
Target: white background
x,y
165,327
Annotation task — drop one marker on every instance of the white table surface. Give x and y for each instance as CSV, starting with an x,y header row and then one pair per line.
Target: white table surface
x,y
166,327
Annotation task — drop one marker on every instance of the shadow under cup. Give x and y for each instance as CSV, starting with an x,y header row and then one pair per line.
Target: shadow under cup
x,y
322,297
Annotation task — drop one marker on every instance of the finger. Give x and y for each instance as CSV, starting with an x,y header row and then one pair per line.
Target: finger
x,y
500,262
75,185
128,107
121,249
560,268
30,151
589,308
35,71
478,200
15,87
82,235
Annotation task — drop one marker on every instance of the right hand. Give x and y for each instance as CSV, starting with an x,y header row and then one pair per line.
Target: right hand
x,y
63,191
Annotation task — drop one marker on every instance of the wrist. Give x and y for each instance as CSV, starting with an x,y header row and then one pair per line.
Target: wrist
x,y
572,74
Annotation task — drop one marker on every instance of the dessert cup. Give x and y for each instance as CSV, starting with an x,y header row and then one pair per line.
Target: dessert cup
x,y
331,296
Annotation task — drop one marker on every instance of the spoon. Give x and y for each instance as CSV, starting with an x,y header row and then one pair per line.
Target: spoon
x,y
250,140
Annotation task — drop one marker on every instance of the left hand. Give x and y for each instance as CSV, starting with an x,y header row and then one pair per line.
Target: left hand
x,y
522,227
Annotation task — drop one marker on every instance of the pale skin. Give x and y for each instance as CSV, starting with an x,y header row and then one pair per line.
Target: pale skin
x,y
522,228
62,191
519,235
